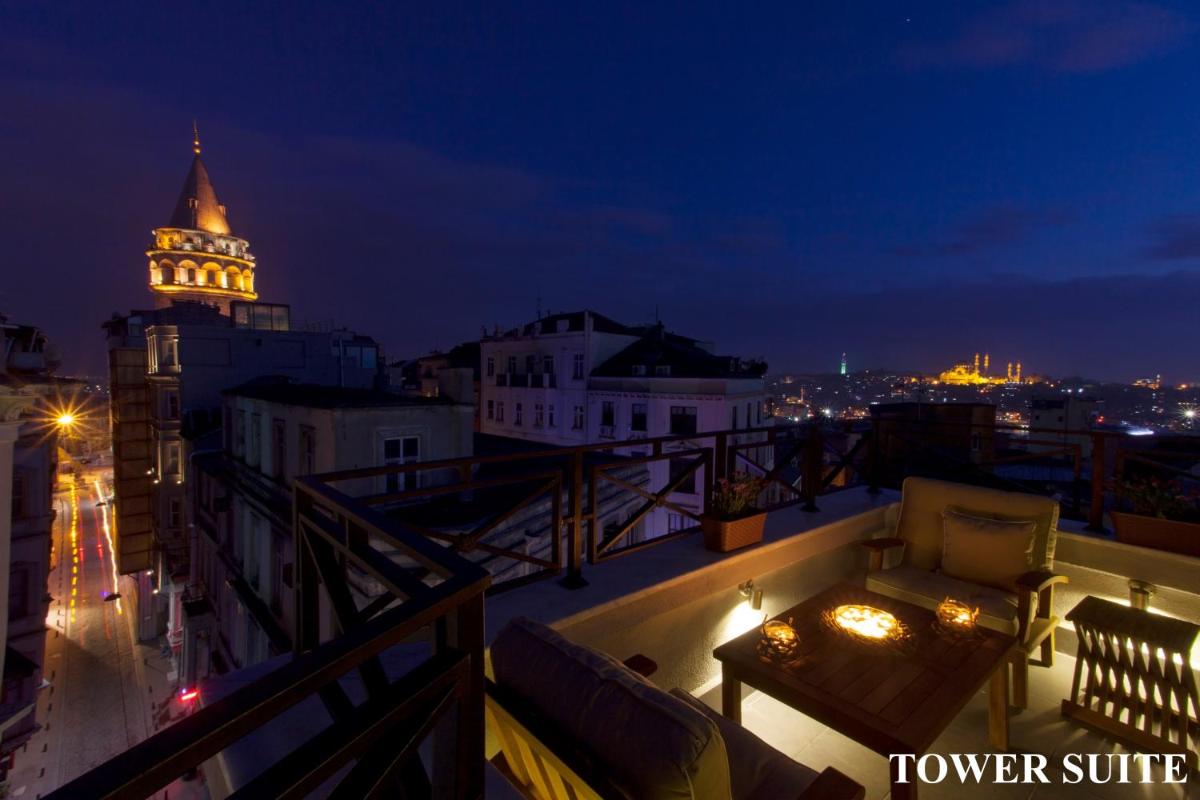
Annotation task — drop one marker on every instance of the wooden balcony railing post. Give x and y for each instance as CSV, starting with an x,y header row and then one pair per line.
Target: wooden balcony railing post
x,y
308,630
574,577
811,475
873,476
1096,513
721,456
458,742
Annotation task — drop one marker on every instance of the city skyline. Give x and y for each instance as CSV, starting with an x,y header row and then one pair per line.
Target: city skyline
x,y
865,182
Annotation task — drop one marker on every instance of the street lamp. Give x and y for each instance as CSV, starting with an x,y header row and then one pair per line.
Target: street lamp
x,y
65,420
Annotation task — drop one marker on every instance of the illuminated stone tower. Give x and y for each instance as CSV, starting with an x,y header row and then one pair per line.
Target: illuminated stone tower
x,y
196,256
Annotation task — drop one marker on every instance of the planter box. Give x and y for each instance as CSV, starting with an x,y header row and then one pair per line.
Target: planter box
x,y
1156,533
723,535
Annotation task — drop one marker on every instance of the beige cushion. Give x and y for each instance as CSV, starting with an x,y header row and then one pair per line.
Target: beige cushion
x,y
756,769
983,550
923,500
997,608
649,744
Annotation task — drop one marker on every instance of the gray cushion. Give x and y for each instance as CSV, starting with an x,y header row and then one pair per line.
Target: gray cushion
x,y
651,745
756,770
997,608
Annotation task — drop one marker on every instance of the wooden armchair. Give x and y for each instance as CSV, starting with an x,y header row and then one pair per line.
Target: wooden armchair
x,y
906,566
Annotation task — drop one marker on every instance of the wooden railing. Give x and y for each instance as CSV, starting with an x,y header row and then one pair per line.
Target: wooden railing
x,y
371,748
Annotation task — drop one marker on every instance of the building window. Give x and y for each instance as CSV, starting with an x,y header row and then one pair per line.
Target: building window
x,y
663,371
577,419
683,420
530,361
239,435
499,411
308,450
512,365
401,450
674,522
608,413
758,413
18,495
748,407
174,513
539,415
577,367
169,353
516,414
680,466
279,448
171,404
637,417
547,365
491,366
18,592
550,416
171,458
639,370
491,409
733,417
254,445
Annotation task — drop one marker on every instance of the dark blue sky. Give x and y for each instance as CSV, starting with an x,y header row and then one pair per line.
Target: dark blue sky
x,y
908,182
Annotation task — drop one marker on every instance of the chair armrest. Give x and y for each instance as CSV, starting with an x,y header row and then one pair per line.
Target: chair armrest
x,y
642,665
1037,582
833,785
1040,579
877,547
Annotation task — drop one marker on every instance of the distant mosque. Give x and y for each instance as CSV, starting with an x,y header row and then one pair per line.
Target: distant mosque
x,y
196,256
970,374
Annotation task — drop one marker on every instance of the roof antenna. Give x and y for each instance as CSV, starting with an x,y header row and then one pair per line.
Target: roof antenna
x,y
539,306
195,138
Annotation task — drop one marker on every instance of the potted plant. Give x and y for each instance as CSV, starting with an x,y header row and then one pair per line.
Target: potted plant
x,y
733,520
1161,514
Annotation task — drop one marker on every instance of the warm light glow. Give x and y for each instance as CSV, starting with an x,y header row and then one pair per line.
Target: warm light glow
x,y
65,419
188,694
868,622
956,615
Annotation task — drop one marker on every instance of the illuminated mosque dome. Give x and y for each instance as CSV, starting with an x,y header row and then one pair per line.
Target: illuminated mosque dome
x,y
196,256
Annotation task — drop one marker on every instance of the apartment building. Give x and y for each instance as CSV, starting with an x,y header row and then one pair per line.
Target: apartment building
x,y
28,465
238,609
169,367
583,378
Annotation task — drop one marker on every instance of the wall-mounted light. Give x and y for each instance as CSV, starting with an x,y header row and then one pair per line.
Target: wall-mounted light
x,y
751,593
1139,594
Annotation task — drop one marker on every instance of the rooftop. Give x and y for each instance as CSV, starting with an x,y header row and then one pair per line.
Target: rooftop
x,y
311,395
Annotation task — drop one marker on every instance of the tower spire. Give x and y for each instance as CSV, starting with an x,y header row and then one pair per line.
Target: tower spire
x,y
195,138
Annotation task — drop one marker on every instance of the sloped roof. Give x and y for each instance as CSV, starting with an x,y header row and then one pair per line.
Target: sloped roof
x,y
198,207
658,348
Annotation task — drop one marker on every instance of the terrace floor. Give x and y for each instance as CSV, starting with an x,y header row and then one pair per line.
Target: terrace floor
x,y
1039,729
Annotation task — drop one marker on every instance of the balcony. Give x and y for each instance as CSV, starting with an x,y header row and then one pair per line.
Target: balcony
x,y
535,533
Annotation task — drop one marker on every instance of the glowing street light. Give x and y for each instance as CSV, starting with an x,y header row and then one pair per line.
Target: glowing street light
x,y
65,420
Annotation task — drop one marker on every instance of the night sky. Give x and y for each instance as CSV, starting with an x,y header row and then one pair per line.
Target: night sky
x,y
907,182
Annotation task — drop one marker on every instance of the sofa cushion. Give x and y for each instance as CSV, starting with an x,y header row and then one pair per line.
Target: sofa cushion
x,y
993,552
651,745
997,608
923,500
756,770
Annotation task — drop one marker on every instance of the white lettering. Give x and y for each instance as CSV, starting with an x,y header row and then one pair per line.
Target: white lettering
x,y
971,763
1006,771
1094,768
1175,767
899,763
1148,760
923,774
1035,764
1071,768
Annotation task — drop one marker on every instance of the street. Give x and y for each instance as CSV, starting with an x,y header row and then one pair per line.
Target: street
x,y
105,690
